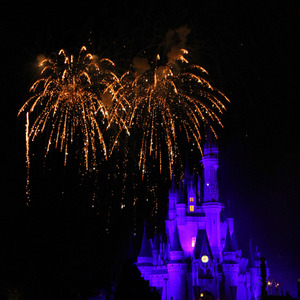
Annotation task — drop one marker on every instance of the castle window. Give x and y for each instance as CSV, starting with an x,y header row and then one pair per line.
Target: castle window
x,y
191,199
193,241
192,208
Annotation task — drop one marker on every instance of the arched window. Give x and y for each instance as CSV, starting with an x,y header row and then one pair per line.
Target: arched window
x,y
193,241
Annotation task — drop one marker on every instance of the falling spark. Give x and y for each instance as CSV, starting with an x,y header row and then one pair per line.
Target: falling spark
x,y
27,159
164,101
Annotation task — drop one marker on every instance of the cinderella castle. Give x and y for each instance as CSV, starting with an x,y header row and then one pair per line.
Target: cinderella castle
x,y
197,257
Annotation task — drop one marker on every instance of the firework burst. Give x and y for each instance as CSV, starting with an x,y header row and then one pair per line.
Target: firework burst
x,y
69,103
167,101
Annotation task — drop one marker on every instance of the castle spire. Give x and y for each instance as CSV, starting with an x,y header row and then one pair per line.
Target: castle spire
x,y
210,163
229,245
145,257
176,246
146,249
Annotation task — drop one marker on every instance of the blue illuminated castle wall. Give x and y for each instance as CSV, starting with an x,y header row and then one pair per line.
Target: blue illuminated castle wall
x,y
198,254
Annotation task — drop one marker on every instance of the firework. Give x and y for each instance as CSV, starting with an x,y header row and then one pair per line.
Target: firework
x,y
70,104
167,101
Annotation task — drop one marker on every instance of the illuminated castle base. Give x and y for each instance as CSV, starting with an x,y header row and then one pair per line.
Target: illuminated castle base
x,y
198,256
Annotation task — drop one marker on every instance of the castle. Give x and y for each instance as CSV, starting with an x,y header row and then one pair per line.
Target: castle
x,y
198,256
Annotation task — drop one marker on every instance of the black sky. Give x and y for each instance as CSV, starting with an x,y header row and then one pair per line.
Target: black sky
x,y
251,53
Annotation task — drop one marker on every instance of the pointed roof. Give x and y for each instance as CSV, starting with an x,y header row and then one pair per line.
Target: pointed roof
x,y
176,246
181,196
202,246
229,245
146,249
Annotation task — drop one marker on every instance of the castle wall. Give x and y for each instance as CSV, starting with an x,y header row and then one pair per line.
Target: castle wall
x,y
177,281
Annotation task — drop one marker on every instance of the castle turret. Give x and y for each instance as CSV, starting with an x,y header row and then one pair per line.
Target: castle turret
x,y
177,268
210,163
211,205
191,198
190,188
181,207
145,257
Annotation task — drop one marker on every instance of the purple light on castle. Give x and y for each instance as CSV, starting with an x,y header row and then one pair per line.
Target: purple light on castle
x,y
198,255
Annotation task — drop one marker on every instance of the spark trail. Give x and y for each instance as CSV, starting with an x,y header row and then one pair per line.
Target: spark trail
x,y
67,99
170,103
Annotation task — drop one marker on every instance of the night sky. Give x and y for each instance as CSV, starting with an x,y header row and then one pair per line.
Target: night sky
x,y
59,246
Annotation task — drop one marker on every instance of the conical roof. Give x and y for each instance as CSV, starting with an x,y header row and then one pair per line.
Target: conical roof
x,y
229,245
202,246
146,249
176,246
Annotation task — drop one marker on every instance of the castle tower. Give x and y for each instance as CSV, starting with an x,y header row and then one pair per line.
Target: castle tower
x,y
211,205
181,207
177,268
191,198
190,188
230,268
145,257
210,163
